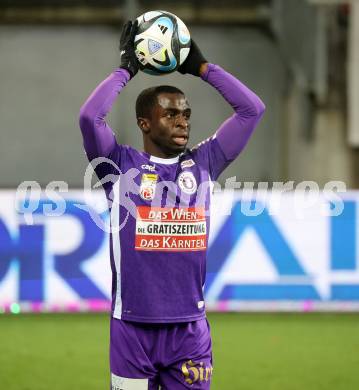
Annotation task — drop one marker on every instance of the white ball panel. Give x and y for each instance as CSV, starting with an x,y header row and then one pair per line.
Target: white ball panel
x,y
150,15
154,32
183,54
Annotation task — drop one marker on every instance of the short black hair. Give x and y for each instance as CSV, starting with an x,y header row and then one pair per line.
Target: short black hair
x,y
147,99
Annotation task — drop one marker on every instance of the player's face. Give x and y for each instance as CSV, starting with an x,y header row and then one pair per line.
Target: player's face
x,y
169,125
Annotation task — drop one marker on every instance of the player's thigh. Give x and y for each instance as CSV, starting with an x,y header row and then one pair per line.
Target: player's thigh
x,y
131,367
192,364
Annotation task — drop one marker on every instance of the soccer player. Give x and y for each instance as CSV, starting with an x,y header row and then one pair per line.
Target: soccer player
x,y
159,337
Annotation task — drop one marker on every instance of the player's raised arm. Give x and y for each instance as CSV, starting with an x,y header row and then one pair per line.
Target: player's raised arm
x,y
235,132
99,140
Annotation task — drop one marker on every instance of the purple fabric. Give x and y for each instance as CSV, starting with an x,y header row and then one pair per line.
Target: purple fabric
x,y
158,277
162,353
235,132
98,137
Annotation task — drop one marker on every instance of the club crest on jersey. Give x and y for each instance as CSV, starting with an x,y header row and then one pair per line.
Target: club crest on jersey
x,y
187,182
187,163
148,186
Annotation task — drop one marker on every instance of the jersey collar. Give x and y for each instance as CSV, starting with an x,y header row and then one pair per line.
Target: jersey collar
x,y
166,161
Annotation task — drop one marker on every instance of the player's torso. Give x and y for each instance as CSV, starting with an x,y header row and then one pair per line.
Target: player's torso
x,y
163,231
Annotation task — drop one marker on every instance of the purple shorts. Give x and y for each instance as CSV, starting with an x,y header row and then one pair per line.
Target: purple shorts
x,y
160,356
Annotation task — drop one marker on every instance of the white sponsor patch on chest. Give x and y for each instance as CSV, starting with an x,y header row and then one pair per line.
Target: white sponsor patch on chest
x,y
187,163
171,229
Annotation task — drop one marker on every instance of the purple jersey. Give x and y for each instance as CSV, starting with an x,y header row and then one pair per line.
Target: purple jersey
x,y
160,207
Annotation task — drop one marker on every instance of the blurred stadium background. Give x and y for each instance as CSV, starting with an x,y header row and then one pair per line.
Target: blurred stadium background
x,y
283,291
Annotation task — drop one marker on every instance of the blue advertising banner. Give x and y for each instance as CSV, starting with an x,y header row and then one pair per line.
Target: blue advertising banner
x,y
266,252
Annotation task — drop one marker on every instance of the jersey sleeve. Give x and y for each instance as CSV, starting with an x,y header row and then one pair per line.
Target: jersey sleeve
x,y
98,138
233,135
210,156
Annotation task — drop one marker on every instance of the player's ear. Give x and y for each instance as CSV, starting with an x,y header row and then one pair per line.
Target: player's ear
x,y
144,124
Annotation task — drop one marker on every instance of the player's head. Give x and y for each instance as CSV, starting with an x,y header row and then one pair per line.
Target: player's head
x,y
163,115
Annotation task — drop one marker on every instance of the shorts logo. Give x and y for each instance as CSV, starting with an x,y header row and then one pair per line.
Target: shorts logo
x,y
148,186
187,182
122,383
196,372
187,163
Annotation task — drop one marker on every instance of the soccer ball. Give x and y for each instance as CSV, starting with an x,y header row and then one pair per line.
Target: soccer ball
x,y
162,42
